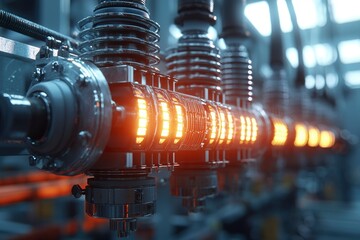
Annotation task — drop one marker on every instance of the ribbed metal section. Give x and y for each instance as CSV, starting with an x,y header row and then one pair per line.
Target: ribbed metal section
x,y
276,94
120,32
195,60
301,105
237,80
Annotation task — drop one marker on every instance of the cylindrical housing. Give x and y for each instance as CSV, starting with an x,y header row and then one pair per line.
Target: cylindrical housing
x,y
22,117
161,120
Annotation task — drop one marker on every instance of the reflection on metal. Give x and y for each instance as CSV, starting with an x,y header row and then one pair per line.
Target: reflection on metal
x,y
17,50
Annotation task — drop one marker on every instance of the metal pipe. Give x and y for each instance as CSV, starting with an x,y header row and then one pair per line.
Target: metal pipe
x,y
276,41
31,29
300,71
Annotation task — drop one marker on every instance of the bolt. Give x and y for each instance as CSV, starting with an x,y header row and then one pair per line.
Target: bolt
x,y
118,111
45,52
85,137
53,43
57,67
64,51
37,74
32,160
82,80
77,191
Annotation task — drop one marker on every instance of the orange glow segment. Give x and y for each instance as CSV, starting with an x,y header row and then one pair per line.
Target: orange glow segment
x,y
180,123
248,129
213,125
143,121
222,127
301,137
314,137
280,133
327,139
242,129
254,130
230,135
165,122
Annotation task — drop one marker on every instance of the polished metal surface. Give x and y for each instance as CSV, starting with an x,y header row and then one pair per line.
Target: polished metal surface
x,y
80,115
17,50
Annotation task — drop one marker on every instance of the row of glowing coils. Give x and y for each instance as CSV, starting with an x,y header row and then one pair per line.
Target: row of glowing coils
x,y
143,120
304,135
313,137
222,129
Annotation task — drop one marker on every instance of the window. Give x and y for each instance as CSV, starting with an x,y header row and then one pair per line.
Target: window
x,y
352,79
310,13
345,10
349,51
259,16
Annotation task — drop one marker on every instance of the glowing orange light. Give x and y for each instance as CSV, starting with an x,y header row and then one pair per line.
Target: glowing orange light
x,y
254,130
327,139
143,120
213,125
222,127
180,123
280,133
314,137
242,129
230,128
165,122
302,136
248,129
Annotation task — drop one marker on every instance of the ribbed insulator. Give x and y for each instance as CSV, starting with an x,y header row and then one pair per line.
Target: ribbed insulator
x,y
195,61
237,83
301,105
276,94
120,32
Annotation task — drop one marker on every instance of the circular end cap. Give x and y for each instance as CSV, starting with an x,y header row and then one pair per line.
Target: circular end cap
x,y
15,117
5,122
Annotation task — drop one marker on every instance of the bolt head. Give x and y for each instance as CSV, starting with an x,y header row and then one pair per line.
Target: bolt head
x,y
82,80
32,160
85,137
77,191
57,67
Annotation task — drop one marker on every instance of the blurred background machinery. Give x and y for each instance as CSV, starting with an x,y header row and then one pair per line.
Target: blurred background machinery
x,y
187,119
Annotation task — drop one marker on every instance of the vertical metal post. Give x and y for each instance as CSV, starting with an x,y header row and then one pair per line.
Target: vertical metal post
x,y
55,15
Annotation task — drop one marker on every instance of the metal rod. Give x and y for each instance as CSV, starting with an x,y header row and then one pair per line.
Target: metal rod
x,y
276,41
31,29
18,50
300,71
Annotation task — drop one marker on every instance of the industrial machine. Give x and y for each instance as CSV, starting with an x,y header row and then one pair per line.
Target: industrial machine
x,y
98,105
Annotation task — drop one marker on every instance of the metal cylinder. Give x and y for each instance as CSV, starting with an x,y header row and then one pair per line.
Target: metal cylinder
x,y
22,117
195,62
120,198
236,66
205,5
198,10
120,32
276,94
233,19
237,81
